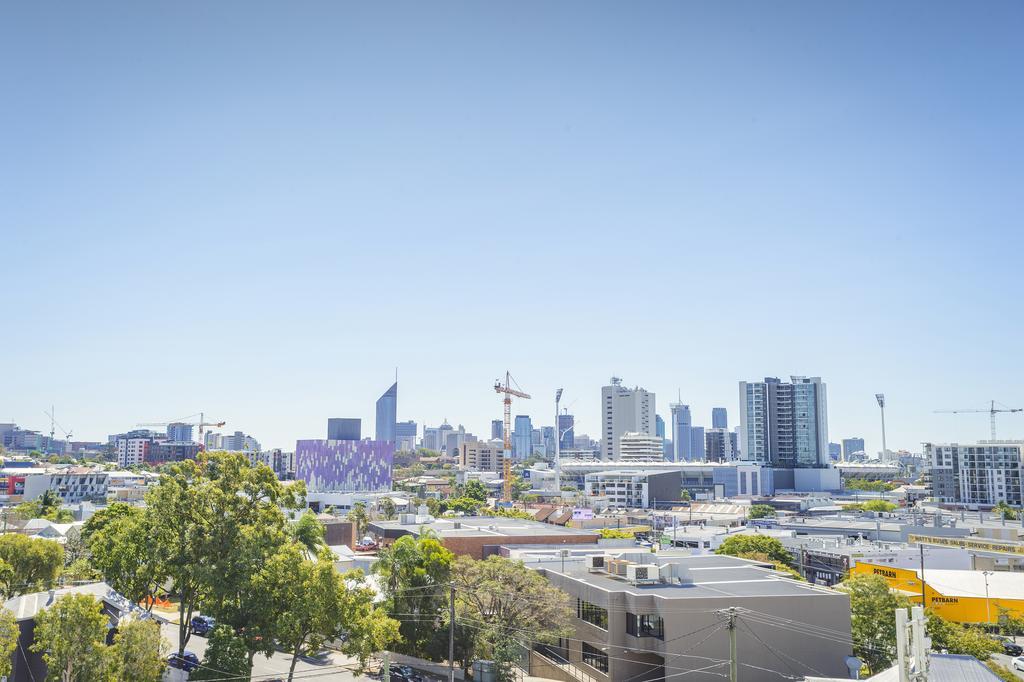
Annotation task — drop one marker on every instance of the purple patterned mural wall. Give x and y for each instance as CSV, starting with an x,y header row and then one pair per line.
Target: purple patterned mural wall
x,y
345,465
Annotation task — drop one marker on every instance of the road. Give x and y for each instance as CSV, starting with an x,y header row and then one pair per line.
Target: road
x,y
1004,660
264,669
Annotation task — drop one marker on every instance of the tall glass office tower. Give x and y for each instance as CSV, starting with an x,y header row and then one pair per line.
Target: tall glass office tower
x,y
387,414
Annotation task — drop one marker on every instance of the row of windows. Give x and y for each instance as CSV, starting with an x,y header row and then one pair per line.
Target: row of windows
x,y
595,658
592,613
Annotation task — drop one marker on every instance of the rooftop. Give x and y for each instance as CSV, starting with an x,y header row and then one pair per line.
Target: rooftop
x,y
481,526
706,576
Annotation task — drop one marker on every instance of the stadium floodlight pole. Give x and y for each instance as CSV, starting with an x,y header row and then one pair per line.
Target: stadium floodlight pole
x,y
880,397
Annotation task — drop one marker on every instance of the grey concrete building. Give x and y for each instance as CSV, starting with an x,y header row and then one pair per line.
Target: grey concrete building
x,y
644,617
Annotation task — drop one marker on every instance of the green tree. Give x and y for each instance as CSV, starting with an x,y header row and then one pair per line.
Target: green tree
x,y
71,636
499,599
226,657
1006,511
309,532
122,550
760,511
387,508
357,515
960,639
9,633
685,496
138,652
872,619
414,576
878,506
475,490
746,545
46,506
34,564
104,516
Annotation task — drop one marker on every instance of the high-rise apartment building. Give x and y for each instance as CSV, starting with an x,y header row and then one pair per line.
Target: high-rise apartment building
x,y
481,456
852,446
624,410
522,437
719,418
640,447
682,424
696,443
566,426
984,473
179,432
497,429
719,445
784,424
405,436
387,414
239,442
342,428
835,452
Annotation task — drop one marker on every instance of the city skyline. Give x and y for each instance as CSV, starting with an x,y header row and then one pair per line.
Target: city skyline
x,y
361,183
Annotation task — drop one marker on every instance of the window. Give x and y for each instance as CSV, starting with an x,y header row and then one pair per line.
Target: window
x,y
646,625
595,658
593,614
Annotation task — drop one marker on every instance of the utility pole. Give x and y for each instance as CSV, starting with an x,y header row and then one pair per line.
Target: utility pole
x,y
921,547
451,633
734,664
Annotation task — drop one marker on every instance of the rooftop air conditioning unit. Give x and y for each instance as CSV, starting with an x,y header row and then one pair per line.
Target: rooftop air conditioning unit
x,y
642,573
457,525
595,563
407,519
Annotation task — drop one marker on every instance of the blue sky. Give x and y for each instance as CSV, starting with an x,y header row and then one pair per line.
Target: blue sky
x,y
261,209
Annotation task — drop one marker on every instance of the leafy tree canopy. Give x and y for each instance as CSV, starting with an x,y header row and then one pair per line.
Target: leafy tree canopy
x,y
747,544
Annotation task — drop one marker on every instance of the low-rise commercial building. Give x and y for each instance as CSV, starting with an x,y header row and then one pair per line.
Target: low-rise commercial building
x,y
481,536
959,596
72,484
640,616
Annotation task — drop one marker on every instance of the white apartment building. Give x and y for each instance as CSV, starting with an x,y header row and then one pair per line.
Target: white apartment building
x,y
633,488
72,485
482,456
641,447
132,451
624,410
983,473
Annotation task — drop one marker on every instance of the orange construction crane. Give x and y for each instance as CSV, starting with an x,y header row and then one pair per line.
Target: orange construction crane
x,y
202,424
506,465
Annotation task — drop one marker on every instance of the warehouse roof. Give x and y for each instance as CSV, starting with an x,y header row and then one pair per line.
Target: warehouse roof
x,y
953,583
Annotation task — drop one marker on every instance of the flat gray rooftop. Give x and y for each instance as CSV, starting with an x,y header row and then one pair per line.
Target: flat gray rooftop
x,y
711,576
483,526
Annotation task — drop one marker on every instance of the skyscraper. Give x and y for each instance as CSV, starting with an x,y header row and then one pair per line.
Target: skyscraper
x,y
624,410
342,428
720,445
852,446
405,436
696,443
681,425
784,425
497,429
387,414
719,418
522,437
659,426
567,437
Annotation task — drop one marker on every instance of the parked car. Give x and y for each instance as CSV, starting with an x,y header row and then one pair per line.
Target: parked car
x,y
1018,663
409,674
1010,648
201,625
366,545
187,661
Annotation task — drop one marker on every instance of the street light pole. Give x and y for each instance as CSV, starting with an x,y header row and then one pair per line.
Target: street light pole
x,y
988,604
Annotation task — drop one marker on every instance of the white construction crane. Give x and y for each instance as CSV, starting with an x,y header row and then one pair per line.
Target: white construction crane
x,y
992,412
54,422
